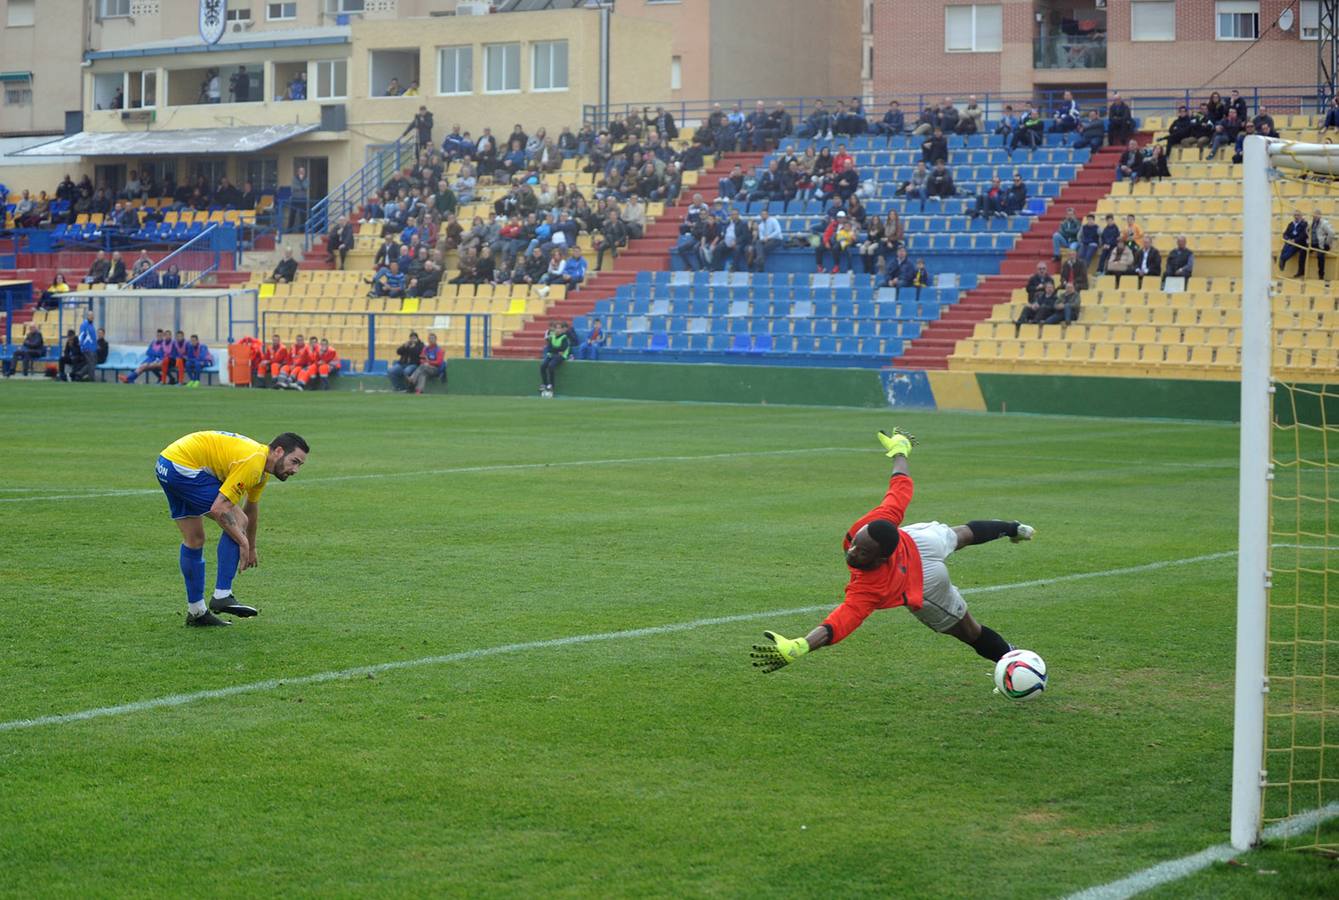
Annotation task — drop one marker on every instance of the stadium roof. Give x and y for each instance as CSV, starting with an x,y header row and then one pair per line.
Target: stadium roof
x,y
232,40
181,142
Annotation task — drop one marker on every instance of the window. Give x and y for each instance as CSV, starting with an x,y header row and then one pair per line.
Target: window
x,y
263,173
978,28
1308,20
345,6
21,13
276,12
148,88
213,170
1237,20
676,73
239,15
111,9
1153,21
868,72
332,79
548,66
455,70
867,23
19,93
502,65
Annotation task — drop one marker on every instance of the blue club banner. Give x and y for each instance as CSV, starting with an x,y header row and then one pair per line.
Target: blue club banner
x,y
213,19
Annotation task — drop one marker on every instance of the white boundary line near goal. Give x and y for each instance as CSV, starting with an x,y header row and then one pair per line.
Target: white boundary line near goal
x,y
1176,869
501,649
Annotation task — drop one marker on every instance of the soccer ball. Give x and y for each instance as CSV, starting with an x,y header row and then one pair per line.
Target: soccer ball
x,y
1020,675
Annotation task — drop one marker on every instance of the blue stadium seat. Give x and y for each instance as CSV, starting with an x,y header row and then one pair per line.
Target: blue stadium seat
x,y
739,344
659,342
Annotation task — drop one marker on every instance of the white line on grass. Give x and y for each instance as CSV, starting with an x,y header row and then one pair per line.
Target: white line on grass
x,y
363,671
1176,869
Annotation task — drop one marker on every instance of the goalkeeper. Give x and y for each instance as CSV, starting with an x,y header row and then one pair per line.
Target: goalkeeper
x,y
893,566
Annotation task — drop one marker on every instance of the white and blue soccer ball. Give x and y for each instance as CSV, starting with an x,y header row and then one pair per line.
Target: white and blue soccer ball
x,y
1020,675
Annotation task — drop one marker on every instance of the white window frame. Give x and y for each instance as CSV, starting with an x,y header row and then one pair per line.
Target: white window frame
x,y
18,93
676,73
239,15
453,53
282,17
1308,17
314,79
110,9
27,6
144,77
1147,4
535,68
976,9
343,7
1235,8
489,49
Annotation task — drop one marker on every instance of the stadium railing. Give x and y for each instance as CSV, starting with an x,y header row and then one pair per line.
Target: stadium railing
x,y
194,259
1280,99
354,190
471,334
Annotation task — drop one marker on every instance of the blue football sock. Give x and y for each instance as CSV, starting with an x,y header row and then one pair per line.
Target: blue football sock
x,y
228,557
193,570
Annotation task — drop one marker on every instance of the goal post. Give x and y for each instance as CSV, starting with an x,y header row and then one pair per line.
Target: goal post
x,y
1285,768
1248,738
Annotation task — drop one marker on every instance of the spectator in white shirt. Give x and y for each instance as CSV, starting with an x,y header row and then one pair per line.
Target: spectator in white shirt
x,y
768,240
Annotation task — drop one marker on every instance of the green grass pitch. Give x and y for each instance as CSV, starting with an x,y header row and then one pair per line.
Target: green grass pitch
x,y
650,765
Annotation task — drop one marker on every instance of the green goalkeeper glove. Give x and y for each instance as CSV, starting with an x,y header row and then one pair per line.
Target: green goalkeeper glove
x,y
897,442
781,652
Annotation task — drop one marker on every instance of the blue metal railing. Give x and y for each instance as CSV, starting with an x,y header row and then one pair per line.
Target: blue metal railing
x,y
1280,100
355,189
194,260
476,328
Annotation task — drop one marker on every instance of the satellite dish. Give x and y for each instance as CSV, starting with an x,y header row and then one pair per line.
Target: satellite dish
x,y
1286,20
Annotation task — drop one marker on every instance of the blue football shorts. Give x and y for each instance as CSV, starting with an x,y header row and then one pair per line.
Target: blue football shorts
x,y
190,492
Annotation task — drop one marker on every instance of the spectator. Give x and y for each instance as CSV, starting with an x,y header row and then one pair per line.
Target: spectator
x,y
939,184
990,202
1039,307
948,116
393,88
389,281
1120,121
1321,234
1180,262
1073,271
50,298
934,148
1066,309
901,271
554,273
98,269
973,118
1217,109
1090,239
736,238
574,269
297,88
198,358
1225,132
431,364
1130,164
1263,118
927,121
1238,102
174,351
299,191
1066,117
1155,164
33,347
240,85
732,186
828,243
1201,128
818,124
421,126
116,271
557,350
894,122
1015,196
71,358
1331,115
920,276
104,349
88,342
1247,130
1295,243
213,89
869,245
1008,123
1067,236
1181,129
1121,259
1093,132
1038,280
595,339
287,268
768,239
613,237
1028,132
338,243
142,264
1147,262
171,279
409,353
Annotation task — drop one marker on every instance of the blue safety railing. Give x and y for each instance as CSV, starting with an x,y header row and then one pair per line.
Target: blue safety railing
x,y
475,329
194,260
1279,100
355,189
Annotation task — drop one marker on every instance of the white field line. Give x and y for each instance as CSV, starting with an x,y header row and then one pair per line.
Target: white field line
x,y
499,650
1109,464
1176,869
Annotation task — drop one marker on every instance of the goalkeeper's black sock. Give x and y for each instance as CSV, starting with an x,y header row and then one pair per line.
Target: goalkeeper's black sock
x,y
986,530
991,645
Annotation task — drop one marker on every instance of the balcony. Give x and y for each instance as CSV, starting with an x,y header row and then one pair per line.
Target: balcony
x,y
1067,51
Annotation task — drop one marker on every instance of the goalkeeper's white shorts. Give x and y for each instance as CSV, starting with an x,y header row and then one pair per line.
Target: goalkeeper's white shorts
x,y
943,606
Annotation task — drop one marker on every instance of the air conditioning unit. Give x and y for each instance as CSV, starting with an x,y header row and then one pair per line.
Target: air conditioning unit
x,y
473,9
240,25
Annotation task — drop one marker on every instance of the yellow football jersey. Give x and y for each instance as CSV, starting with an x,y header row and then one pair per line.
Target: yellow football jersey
x,y
235,460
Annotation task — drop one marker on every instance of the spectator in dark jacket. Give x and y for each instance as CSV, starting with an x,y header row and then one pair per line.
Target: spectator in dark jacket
x,y
1120,124
1180,262
1110,238
340,242
1092,133
894,122
1147,261
33,347
935,148
286,269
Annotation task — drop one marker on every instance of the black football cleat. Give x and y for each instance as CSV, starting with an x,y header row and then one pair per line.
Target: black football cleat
x,y
230,606
204,620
